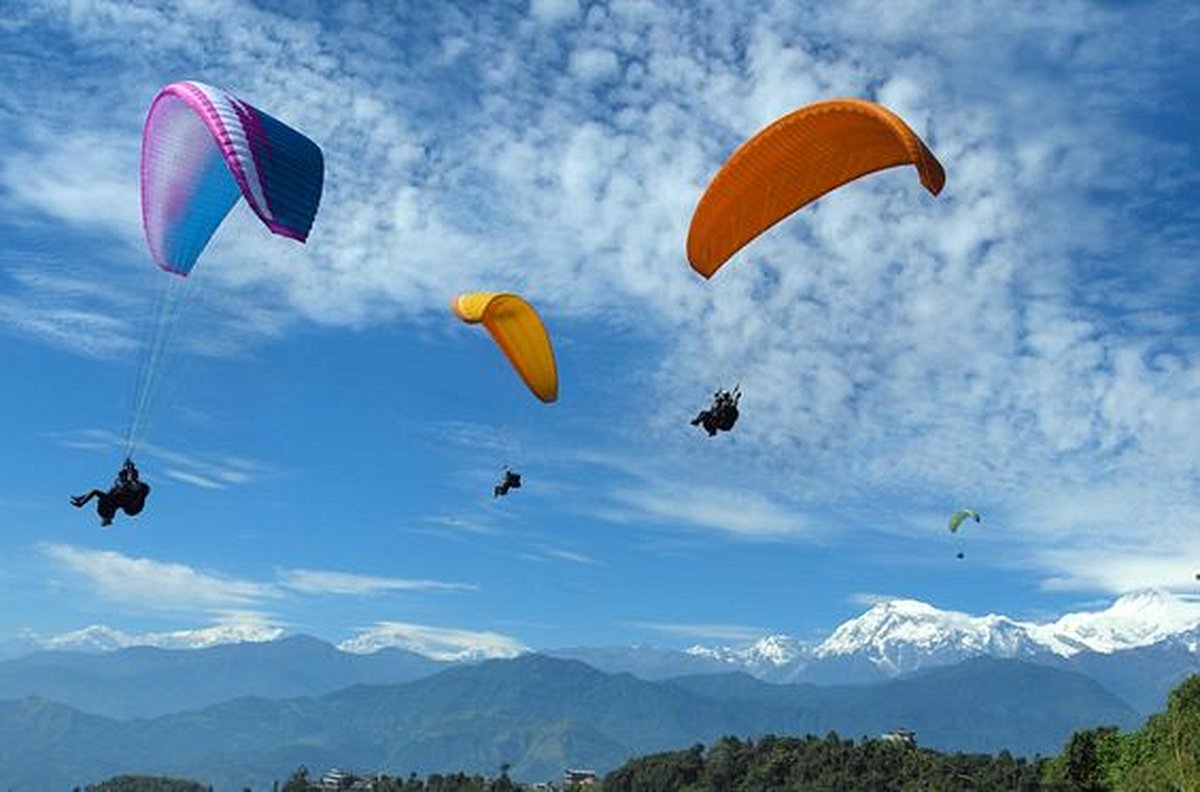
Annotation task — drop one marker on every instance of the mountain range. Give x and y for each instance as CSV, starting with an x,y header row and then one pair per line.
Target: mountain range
x,y
540,714
145,681
249,712
1139,647
899,636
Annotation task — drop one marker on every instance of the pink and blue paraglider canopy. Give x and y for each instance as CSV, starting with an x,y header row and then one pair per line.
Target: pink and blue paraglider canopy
x,y
202,148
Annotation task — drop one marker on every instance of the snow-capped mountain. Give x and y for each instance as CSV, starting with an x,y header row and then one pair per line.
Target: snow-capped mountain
x,y
446,645
1138,619
99,637
900,636
892,638
772,651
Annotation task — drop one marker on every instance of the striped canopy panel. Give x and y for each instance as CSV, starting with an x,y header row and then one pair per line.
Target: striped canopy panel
x,y
203,147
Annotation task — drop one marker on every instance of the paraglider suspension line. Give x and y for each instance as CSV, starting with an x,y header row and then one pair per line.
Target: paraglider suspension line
x,y
170,307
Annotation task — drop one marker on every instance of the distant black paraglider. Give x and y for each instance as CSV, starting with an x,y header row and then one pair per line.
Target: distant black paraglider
x,y
960,555
127,493
722,415
511,481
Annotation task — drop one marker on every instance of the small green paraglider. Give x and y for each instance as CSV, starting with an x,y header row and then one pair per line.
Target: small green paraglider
x,y
957,518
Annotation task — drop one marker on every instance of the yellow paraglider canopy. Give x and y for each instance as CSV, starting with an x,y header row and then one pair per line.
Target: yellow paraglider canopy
x,y
519,332
957,518
794,161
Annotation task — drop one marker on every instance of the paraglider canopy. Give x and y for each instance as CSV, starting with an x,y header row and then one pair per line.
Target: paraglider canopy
x,y
794,161
519,332
957,518
202,148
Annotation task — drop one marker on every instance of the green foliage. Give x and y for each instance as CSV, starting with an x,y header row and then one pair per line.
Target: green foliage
x,y
298,782
813,763
1162,755
1183,732
1088,762
437,782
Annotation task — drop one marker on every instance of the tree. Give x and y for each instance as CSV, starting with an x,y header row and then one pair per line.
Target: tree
x,y
1089,756
1183,732
1163,754
298,782
502,783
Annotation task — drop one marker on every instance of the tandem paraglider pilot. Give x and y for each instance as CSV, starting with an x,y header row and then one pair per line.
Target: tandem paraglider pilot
x,y
722,415
128,493
511,481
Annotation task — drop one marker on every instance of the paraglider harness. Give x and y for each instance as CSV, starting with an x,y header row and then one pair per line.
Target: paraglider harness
x,y
511,481
723,414
128,475
128,493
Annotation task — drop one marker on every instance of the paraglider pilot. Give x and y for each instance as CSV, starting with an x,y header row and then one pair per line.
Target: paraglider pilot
x,y
722,415
511,481
127,493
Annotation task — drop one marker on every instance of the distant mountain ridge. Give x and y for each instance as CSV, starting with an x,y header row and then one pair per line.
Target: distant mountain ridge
x,y
900,636
102,638
1139,647
540,714
145,681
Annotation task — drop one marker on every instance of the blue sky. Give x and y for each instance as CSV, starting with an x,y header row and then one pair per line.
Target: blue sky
x,y
326,435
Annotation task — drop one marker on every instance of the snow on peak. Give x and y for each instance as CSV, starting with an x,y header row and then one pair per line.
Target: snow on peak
x,y
1140,618
769,651
901,635
776,649
99,637
94,638
437,643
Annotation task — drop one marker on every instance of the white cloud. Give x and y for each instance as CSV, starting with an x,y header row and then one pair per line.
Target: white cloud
x,y
156,585
459,525
559,554
1018,338
87,332
743,513
1118,569
553,11
594,64
716,632
315,581
440,643
1115,536
868,598
149,584
193,478
207,471
48,302
82,179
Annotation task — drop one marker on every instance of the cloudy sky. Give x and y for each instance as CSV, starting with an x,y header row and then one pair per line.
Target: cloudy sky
x,y
324,435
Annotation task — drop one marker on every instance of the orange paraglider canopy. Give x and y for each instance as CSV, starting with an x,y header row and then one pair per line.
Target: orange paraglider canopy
x,y
519,332
794,161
